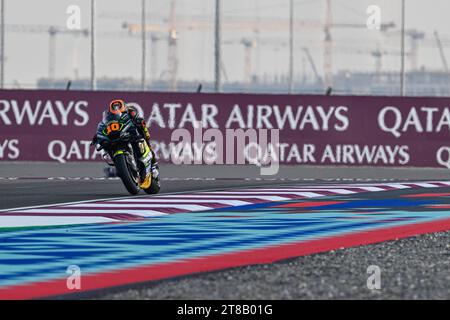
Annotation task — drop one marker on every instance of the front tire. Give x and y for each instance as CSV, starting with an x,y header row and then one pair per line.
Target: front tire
x,y
154,187
124,173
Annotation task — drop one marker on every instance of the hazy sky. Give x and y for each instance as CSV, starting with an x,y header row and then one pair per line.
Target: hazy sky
x,y
119,55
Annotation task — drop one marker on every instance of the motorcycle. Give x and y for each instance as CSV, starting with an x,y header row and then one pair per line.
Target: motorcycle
x,y
126,150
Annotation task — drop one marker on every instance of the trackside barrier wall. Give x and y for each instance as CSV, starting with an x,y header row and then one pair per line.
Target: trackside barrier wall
x,y
40,125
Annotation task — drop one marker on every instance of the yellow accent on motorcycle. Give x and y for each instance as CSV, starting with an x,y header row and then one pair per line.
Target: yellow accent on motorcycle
x,y
147,150
142,147
118,152
147,182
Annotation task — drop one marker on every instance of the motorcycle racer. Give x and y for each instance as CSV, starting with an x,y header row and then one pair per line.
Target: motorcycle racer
x,y
118,107
134,115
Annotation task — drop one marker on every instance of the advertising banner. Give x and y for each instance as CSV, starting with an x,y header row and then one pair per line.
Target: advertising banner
x,y
40,125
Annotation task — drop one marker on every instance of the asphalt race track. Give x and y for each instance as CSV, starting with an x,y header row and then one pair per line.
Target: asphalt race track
x,y
226,236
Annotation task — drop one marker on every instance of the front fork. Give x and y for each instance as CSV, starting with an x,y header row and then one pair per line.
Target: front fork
x,y
147,160
147,167
131,162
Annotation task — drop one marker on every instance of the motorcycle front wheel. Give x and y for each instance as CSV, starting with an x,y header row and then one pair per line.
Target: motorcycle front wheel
x,y
154,187
125,175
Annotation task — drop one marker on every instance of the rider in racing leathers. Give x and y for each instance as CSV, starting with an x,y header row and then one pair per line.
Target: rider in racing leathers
x,y
119,106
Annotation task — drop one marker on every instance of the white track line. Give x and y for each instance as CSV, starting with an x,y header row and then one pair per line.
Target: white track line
x,y
371,189
185,201
104,199
141,213
302,194
397,186
196,196
38,221
187,207
158,200
423,184
286,190
328,187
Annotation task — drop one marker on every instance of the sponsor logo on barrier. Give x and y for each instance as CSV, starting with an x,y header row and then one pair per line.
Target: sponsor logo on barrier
x,y
317,118
43,113
420,120
76,150
9,149
443,157
312,129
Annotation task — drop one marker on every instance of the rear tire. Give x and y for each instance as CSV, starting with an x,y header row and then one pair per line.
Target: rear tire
x,y
124,173
154,187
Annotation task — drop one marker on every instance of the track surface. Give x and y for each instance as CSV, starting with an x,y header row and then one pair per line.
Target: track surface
x,y
33,192
412,268
416,267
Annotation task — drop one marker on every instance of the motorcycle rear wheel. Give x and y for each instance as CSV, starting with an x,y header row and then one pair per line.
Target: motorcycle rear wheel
x,y
124,173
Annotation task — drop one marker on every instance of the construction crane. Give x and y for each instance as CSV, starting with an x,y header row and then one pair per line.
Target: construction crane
x,y
328,41
438,40
172,56
243,24
328,47
155,38
52,32
204,22
172,39
415,37
229,23
312,64
249,44
441,51
377,54
154,55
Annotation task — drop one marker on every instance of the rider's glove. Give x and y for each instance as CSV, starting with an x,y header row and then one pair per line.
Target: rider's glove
x,y
94,140
146,132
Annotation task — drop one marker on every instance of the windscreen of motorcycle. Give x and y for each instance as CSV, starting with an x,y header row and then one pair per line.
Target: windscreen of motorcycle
x,y
113,125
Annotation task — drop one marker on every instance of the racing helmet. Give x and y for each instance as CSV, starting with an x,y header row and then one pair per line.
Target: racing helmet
x,y
117,107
